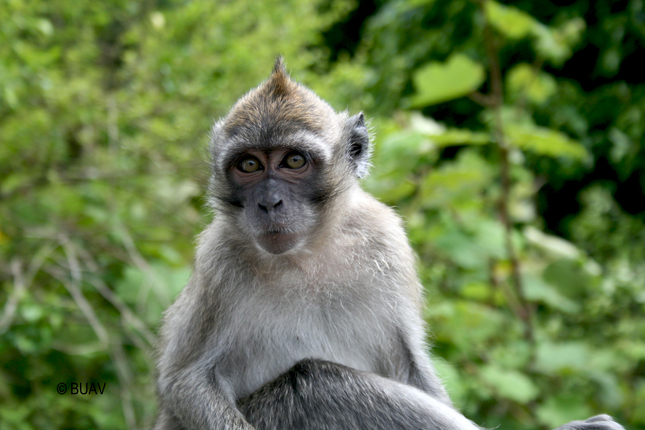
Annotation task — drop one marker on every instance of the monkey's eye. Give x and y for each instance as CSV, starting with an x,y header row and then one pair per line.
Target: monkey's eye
x,y
248,165
294,160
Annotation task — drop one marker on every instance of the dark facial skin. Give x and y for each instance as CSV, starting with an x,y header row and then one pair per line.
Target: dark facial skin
x,y
275,189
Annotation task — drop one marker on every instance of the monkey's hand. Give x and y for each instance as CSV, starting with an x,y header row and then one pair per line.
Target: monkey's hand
x,y
599,422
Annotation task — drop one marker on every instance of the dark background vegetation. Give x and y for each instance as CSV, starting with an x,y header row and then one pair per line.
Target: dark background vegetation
x,y
509,136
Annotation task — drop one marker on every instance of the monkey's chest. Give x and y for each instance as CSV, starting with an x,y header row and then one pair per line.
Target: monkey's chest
x,y
269,343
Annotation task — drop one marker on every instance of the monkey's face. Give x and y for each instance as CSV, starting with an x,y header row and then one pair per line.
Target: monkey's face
x,y
282,159
275,191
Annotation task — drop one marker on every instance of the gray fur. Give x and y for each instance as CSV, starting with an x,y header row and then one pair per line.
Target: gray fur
x,y
326,335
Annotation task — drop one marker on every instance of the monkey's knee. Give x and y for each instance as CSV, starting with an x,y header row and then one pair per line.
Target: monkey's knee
x,y
308,395
305,379
307,366
309,369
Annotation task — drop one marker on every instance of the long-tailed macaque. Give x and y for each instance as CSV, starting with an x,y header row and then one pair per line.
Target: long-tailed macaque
x,y
304,309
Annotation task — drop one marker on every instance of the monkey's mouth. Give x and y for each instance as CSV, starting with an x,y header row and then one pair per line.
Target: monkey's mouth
x,y
277,242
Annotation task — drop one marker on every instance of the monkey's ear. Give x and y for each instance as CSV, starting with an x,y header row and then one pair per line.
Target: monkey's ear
x,y
358,146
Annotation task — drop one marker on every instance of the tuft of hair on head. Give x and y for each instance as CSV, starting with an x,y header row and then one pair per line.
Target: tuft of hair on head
x,y
280,82
275,105
279,66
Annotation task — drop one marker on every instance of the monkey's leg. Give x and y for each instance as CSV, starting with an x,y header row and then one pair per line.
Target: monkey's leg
x,y
319,395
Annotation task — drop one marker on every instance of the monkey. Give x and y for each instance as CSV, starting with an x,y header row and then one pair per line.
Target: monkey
x,y
304,307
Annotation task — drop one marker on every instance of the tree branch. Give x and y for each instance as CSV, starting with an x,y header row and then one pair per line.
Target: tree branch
x,y
495,101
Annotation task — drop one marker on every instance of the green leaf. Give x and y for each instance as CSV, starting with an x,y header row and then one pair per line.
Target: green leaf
x,y
403,149
562,408
476,291
509,384
512,354
553,245
510,21
556,44
538,290
442,137
570,278
456,136
544,141
523,80
460,249
440,82
554,358
456,182
609,393
466,324
155,286
388,190
489,235
31,312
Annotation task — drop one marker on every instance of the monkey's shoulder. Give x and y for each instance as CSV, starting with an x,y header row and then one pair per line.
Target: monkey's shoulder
x,y
378,223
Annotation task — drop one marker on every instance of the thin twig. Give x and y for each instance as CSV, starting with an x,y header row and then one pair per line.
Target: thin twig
x,y
126,313
138,259
24,189
74,289
114,350
22,281
485,100
19,286
496,99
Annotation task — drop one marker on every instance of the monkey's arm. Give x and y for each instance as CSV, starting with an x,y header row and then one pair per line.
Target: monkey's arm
x,y
196,398
418,370
422,376
192,393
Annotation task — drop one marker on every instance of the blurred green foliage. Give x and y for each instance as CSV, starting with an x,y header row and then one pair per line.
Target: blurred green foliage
x,y
509,135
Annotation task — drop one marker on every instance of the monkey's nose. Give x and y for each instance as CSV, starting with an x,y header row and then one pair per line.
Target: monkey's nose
x,y
269,206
